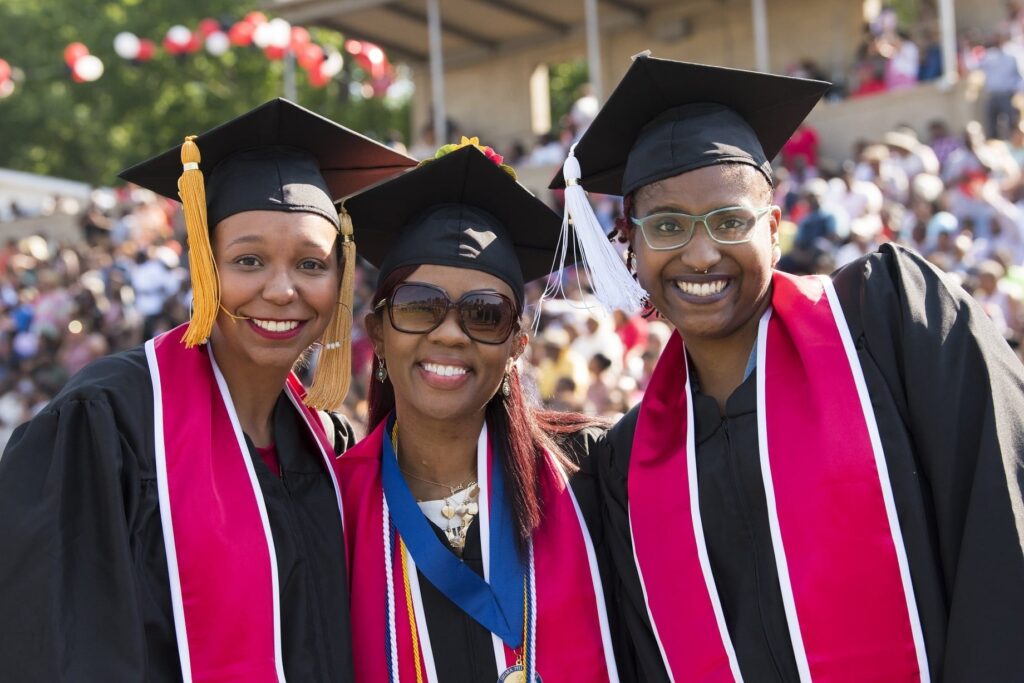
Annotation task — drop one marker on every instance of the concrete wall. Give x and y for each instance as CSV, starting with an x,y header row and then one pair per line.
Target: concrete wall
x,y
491,99
842,124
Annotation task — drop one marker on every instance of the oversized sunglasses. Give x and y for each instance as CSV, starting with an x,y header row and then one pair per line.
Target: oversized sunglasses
x,y
418,308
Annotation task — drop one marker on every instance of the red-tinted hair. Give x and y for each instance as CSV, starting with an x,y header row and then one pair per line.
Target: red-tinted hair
x,y
521,429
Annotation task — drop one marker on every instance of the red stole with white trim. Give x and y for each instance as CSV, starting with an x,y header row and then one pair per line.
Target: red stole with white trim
x,y
838,546
572,638
220,550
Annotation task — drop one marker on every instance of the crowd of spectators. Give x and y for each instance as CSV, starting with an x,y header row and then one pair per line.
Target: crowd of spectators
x,y
955,196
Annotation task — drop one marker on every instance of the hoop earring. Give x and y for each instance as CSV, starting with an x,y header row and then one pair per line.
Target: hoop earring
x,y
382,371
506,388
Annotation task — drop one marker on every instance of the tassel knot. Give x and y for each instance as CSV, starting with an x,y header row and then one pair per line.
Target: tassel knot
x,y
613,285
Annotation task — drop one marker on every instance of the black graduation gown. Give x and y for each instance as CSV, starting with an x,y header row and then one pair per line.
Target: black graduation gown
x,y
948,395
463,650
84,589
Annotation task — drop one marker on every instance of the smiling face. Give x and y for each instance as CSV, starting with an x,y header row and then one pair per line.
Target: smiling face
x,y
730,297
443,374
280,270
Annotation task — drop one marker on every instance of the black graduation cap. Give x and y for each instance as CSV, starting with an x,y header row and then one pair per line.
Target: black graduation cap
x,y
667,117
278,156
459,210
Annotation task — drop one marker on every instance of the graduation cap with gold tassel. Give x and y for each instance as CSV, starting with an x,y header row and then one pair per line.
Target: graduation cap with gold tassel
x,y
277,157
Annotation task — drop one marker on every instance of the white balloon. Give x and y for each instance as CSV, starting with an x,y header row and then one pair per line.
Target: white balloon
x,y
262,35
217,43
280,33
88,68
126,45
179,35
6,88
332,64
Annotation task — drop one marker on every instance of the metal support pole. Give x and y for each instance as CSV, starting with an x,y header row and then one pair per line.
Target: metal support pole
x,y
291,92
760,35
594,49
947,28
437,72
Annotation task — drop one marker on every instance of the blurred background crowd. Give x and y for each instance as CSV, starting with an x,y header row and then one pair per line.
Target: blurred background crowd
x,y
956,195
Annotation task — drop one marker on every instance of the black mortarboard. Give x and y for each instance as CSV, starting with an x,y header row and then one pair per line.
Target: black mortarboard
x,y
277,157
459,210
667,117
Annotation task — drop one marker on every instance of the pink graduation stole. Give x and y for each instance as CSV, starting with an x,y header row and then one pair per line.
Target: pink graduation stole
x,y
572,637
839,550
220,550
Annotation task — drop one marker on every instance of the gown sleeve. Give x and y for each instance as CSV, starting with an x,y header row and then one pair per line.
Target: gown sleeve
x,y
960,392
70,609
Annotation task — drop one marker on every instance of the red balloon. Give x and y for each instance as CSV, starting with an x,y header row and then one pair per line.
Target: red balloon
x,y
256,18
172,47
275,53
241,33
147,48
208,26
317,78
5,70
74,52
310,56
195,44
300,37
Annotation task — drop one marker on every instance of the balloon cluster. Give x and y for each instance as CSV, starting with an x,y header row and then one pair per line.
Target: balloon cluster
x,y
85,68
275,37
6,79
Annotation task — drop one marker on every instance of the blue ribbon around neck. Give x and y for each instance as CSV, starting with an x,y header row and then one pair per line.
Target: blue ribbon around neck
x,y
497,606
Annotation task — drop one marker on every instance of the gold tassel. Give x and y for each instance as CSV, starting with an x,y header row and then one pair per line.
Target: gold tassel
x,y
334,368
205,282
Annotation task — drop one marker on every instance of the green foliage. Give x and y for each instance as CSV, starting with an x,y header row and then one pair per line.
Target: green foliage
x,y
89,131
565,80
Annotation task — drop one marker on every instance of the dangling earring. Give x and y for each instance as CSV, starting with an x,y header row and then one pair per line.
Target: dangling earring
x,y
506,388
631,261
382,371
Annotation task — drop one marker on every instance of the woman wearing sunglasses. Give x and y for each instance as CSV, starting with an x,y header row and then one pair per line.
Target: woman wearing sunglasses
x,y
172,514
471,557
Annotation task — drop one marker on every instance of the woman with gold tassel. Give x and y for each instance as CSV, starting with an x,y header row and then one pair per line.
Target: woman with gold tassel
x,y
473,540
173,514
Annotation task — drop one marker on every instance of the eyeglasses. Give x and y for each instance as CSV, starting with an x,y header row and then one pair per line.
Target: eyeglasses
x,y
419,308
727,225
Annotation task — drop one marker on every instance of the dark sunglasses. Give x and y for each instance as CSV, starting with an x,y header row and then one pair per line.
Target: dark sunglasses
x,y
419,308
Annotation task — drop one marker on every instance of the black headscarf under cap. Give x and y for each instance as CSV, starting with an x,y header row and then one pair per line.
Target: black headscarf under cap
x,y
667,117
459,210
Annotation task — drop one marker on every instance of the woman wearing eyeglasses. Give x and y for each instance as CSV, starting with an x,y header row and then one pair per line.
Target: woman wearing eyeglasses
x,y
471,555
823,481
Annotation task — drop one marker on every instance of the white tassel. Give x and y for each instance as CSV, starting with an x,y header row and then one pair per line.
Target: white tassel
x,y
613,285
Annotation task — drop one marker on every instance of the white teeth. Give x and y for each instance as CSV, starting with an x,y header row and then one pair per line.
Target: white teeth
x,y
276,325
701,288
444,370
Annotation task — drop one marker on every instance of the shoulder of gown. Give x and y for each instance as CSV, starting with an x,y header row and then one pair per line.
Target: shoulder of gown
x,y
959,391
69,487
